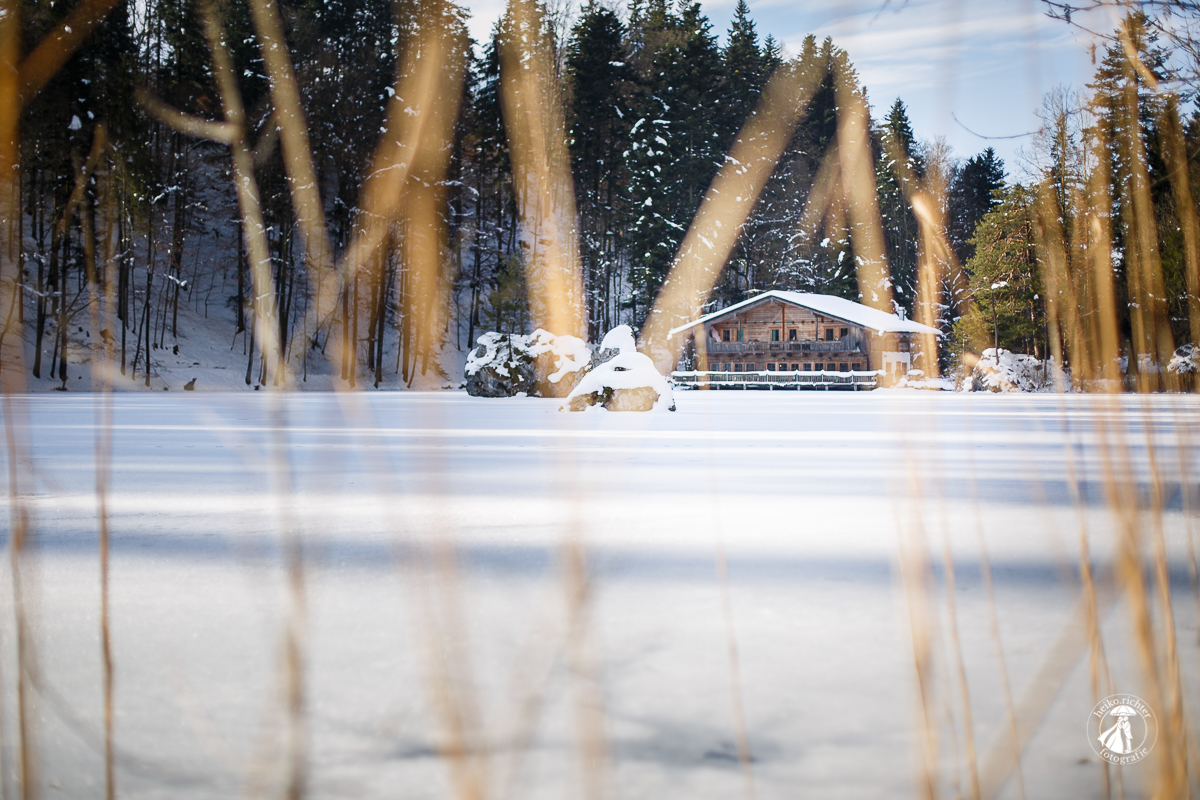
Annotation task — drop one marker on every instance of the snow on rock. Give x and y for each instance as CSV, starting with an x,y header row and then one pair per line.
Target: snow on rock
x,y
558,362
620,339
1005,371
539,364
619,378
499,367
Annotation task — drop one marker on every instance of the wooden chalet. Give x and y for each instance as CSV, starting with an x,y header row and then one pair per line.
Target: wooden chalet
x,y
782,339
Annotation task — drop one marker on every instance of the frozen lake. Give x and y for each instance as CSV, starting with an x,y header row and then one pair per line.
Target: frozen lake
x,y
501,600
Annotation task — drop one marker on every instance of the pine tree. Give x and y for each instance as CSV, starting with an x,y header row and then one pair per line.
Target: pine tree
x,y
602,86
1005,280
746,70
676,145
973,193
898,173
1127,108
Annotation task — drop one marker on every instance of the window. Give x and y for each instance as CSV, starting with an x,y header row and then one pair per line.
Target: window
x,y
830,367
808,367
792,335
737,367
725,335
783,367
829,334
795,367
770,367
843,367
739,334
774,334
856,367
845,333
749,368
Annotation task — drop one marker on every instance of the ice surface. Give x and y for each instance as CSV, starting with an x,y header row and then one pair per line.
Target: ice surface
x,y
436,529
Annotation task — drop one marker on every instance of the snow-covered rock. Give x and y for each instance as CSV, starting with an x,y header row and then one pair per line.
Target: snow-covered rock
x,y
619,378
558,362
539,364
1005,371
500,366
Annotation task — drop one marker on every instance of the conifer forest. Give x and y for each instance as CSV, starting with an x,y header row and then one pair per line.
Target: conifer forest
x,y
132,149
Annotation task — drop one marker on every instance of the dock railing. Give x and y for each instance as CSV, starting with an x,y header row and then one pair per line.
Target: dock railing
x,y
819,379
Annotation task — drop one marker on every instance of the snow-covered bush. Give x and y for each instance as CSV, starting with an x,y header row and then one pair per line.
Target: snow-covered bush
x,y
1185,366
539,364
619,378
1186,360
1005,371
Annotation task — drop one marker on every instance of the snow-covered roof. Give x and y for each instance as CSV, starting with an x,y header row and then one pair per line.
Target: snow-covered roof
x,y
830,306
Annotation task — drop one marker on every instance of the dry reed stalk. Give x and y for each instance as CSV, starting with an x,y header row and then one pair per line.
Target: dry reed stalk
x,y
1152,336
1127,511
824,202
1151,325
985,566
442,627
1101,680
536,128
726,206
591,735
293,137
740,730
295,633
20,81
916,573
858,185
1176,157
1037,697
1168,659
59,45
1101,334
19,531
463,744
12,358
960,665
933,257
1050,239
426,300
937,264
101,361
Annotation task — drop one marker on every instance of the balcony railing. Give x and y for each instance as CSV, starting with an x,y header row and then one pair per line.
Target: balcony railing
x,y
775,380
848,344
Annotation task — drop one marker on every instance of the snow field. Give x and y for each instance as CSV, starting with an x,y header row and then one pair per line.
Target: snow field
x,y
813,497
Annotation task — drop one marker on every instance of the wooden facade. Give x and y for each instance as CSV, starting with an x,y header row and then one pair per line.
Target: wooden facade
x,y
777,333
778,336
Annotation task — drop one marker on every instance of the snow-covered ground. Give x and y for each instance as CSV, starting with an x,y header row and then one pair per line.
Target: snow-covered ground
x,y
437,529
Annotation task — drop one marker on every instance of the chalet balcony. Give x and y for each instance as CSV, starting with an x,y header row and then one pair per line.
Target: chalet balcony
x,y
851,344
694,379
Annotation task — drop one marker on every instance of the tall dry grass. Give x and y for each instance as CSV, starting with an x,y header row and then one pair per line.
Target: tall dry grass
x,y
409,165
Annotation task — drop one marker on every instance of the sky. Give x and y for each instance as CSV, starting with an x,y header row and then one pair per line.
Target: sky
x,y
966,69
